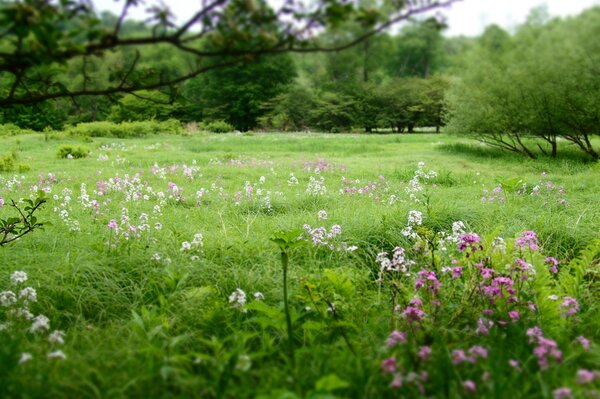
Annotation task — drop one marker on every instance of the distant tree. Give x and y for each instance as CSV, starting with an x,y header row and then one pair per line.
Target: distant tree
x,y
238,94
334,112
290,111
418,49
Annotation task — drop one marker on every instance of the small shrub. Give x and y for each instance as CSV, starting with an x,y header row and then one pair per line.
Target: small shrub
x,y
66,150
219,127
126,129
7,163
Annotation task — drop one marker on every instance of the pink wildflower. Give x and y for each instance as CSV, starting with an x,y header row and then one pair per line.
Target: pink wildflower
x,y
528,239
388,365
585,376
396,337
483,326
562,393
553,264
458,356
424,352
570,305
397,381
470,386
514,315
457,272
585,343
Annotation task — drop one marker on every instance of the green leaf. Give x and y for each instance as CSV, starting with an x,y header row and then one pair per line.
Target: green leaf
x,y
330,383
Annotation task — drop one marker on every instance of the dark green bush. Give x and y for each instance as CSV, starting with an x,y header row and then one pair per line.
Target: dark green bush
x,y
218,127
74,151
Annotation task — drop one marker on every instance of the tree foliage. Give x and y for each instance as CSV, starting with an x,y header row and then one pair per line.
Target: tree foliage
x,y
530,89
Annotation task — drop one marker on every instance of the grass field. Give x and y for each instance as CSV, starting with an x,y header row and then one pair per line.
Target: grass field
x,y
159,267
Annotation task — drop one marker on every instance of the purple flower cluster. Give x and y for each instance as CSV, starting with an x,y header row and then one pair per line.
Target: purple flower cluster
x,y
528,239
429,280
545,349
470,241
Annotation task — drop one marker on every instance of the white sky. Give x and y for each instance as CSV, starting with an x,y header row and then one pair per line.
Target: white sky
x,y
467,17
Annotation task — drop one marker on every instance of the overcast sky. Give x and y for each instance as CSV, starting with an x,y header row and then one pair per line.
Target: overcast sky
x,y
468,17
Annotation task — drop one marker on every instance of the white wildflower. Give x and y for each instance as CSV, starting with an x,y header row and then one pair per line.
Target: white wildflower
x,y
238,299
28,294
25,357
7,298
56,337
259,296
59,355
40,322
18,277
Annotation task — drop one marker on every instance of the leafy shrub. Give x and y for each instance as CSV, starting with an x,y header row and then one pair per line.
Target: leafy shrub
x,y
10,129
219,127
126,129
76,152
7,163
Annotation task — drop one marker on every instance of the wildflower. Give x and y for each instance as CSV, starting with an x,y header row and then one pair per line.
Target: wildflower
x,y
562,393
553,264
25,357
585,343
238,299
499,244
396,337
112,225
18,277
428,280
7,298
388,365
483,326
458,356
40,322
56,337
476,352
397,381
469,385
514,364
514,315
322,215
258,296
415,218
28,294
570,306
527,239
424,352
469,241
457,272
59,355
585,376
185,246
413,314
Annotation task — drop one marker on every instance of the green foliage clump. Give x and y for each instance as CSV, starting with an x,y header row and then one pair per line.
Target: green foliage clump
x,y
67,150
142,106
515,93
8,163
10,129
126,129
218,127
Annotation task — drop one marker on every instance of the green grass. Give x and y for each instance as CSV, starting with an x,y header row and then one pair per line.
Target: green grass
x,y
137,327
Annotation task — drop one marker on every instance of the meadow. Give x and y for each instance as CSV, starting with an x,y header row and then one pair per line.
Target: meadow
x,y
416,266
